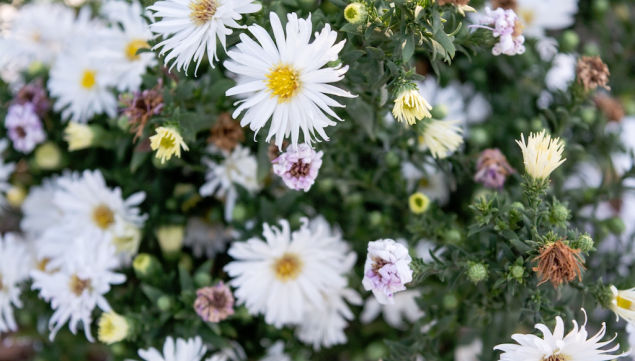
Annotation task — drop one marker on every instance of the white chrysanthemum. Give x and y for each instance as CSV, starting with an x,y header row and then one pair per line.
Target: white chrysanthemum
x,y
5,172
558,347
404,309
286,80
455,101
81,279
190,27
538,16
14,268
125,43
276,353
206,239
238,168
541,154
442,137
81,83
430,181
37,33
469,352
285,276
182,350
630,328
562,72
89,207
623,303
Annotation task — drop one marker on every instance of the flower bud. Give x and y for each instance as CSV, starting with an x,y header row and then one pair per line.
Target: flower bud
x,y
616,225
419,203
48,156
355,13
170,238
450,301
477,272
79,136
145,265
439,111
584,243
517,272
16,195
570,41
112,328
164,303
559,213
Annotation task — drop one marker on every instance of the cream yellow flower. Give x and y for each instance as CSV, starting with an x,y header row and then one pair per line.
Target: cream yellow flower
x,y
78,136
16,195
170,238
541,154
419,203
355,13
623,304
167,142
442,137
411,106
112,328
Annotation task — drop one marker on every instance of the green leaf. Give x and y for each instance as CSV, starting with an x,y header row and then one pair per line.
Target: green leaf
x,y
152,293
185,280
408,48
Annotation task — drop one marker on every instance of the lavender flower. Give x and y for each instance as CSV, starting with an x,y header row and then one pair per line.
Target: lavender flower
x,y
506,28
387,269
298,166
214,304
24,127
34,94
492,169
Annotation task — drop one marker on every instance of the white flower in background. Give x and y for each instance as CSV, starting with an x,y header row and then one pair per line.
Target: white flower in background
x,y
387,269
455,101
239,167
425,249
538,16
81,82
630,328
557,346
562,72
286,275
276,353
207,239
403,310
442,137
125,43
190,27
39,210
234,352
428,180
547,48
182,350
469,352
286,80
5,172
83,275
14,269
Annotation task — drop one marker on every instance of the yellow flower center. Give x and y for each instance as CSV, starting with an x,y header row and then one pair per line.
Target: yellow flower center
x,y
284,82
624,303
287,267
103,216
167,141
133,47
202,11
78,285
527,15
41,266
89,79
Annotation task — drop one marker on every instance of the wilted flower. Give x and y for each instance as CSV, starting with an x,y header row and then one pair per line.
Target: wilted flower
x,y
167,142
592,73
623,303
226,133
492,169
355,13
411,106
34,94
541,154
419,203
611,107
141,106
112,328
442,137
24,127
214,304
506,28
78,136
558,263
298,166
387,269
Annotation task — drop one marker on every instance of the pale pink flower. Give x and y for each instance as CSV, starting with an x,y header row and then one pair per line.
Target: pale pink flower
x,y
298,166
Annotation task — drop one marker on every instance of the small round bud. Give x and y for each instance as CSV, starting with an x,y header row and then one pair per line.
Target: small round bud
x,y
559,213
186,262
588,115
616,225
239,213
439,111
584,243
48,156
477,272
517,271
164,303
355,13
392,159
16,195
325,184
591,49
570,41
202,279
453,235
479,136
170,238
419,203
600,7
375,218
450,301
145,265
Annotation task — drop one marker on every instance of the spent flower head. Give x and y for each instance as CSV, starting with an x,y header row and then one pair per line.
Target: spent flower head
x,y
410,106
592,73
558,263
387,269
214,304
298,166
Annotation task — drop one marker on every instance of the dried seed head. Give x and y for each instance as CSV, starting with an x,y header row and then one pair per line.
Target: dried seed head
x,y
592,73
558,264
226,133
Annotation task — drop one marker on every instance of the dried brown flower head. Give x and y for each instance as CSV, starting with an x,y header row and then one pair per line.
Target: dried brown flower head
x,y
140,107
558,264
226,133
611,107
505,4
453,2
592,73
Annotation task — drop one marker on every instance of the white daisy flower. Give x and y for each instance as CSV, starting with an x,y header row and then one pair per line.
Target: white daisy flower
x,y
81,82
134,35
630,328
190,27
429,180
286,275
469,352
286,80
82,279
6,169
558,347
455,101
538,16
206,239
182,350
405,309
238,168
562,72
14,269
